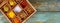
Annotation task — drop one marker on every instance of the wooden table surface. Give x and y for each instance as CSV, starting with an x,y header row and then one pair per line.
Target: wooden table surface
x,y
50,12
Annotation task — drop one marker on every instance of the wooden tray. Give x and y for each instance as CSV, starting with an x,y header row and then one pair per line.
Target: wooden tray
x,y
24,10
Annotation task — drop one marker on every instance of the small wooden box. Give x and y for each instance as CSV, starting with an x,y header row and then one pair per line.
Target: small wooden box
x,y
17,11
